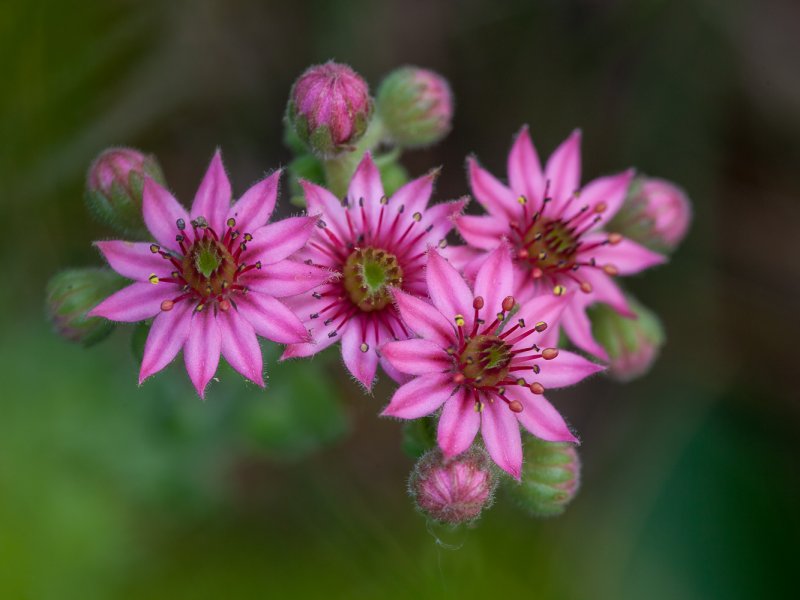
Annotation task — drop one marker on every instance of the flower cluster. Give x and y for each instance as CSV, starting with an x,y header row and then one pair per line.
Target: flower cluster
x,y
469,332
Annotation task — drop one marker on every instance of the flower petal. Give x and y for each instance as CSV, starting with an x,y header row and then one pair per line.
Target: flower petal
x,y
458,423
495,197
167,336
484,231
255,207
415,194
424,319
361,363
448,290
604,289
420,396
276,241
579,329
494,281
545,307
565,369
500,431
137,302
627,256
416,356
161,213
240,346
272,319
365,189
440,219
540,417
202,348
524,169
134,260
286,278
213,198
609,191
321,201
563,170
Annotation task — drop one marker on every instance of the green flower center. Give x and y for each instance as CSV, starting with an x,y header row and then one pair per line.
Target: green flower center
x,y
369,273
208,268
550,245
485,360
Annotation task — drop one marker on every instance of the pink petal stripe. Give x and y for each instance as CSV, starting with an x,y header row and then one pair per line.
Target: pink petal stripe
x,y
213,198
627,256
272,319
524,169
425,320
167,336
498,200
610,191
495,281
255,207
286,278
134,260
277,241
448,290
202,349
366,187
137,302
361,364
416,356
240,346
484,231
161,212
420,396
500,432
320,201
563,170
540,417
545,307
458,423
565,369
579,330
415,194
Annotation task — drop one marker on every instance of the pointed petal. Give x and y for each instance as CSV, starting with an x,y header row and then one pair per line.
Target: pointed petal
x,y
500,432
461,257
202,349
495,281
137,302
579,329
524,168
540,417
365,188
276,241
320,201
416,356
627,256
420,396
286,278
392,372
545,307
448,290
484,231
440,219
272,319
309,348
161,213
458,423
424,319
608,191
167,336
213,198
563,170
133,260
240,346
604,289
495,197
415,194
255,207
360,360
565,369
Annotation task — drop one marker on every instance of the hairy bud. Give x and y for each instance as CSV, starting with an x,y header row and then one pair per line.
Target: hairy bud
x,y
550,477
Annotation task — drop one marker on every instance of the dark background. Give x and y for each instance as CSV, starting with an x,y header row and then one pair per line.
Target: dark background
x,y
690,486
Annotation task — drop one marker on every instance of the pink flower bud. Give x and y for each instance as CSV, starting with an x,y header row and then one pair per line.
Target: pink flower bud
x,y
550,478
330,108
416,106
656,214
453,490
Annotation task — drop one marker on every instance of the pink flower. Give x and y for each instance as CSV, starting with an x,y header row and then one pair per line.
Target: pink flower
x,y
213,278
556,230
480,362
377,244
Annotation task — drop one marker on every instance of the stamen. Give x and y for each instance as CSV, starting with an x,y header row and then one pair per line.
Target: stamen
x,y
537,388
549,353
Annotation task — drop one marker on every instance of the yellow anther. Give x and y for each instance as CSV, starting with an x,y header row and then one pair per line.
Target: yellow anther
x,y
153,278
460,320
559,290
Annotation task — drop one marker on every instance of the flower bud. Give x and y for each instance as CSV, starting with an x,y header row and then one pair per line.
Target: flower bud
x,y
329,108
656,213
71,294
632,344
550,478
453,490
114,188
416,106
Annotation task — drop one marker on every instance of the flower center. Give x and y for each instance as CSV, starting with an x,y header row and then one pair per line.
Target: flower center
x,y
549,245
208,267
485,360
369,273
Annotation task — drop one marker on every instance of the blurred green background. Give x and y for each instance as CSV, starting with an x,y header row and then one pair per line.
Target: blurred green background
x,y
690,485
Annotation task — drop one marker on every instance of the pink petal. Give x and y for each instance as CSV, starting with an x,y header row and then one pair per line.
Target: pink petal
x,y
563,170
415,194
440,219
202,349
500,432
137,302
272,319
524,169
420,396
161,213
255,207
361,363
448,290
605,290
579,329
307,349
609,191
424,319
392,372
565,369
321,201
240,346
498,200
286,278
494,281
134,260
540,417
545,307
167,336
416,356
213,198
458,423
276,241
627,256
365,188
461,257
484,231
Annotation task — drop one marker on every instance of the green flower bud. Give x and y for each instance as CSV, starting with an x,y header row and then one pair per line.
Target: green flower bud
x,y
550,477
